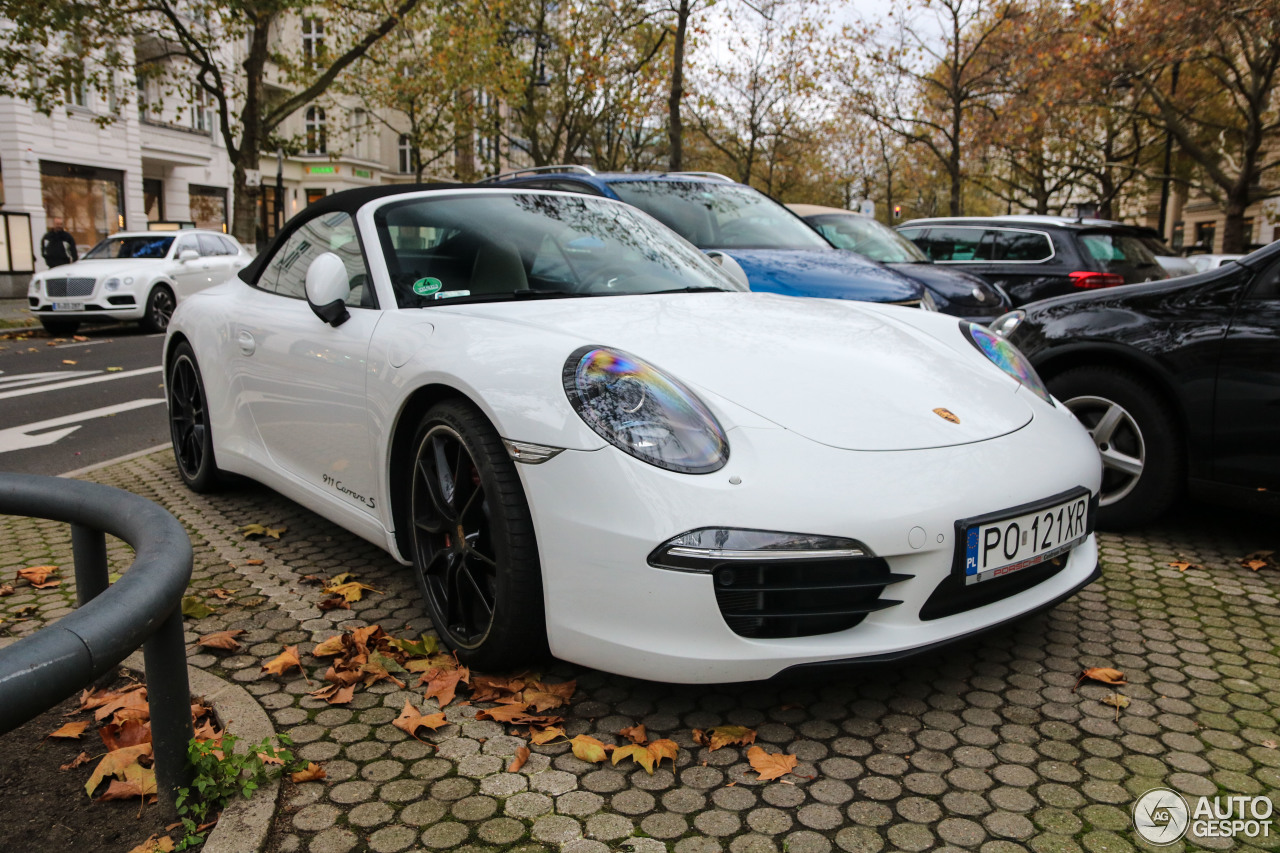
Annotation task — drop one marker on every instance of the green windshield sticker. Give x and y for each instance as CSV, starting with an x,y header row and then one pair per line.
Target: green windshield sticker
x,y
426,286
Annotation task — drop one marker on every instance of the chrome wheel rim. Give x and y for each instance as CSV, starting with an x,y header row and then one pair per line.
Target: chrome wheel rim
x,y
1119,440
161,308
187,422
453,546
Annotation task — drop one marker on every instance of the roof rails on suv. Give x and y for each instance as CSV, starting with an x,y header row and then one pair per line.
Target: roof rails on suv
x,y
714,176
537,170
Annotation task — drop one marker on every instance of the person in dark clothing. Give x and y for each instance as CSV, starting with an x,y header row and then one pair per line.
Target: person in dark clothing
x,y
57,247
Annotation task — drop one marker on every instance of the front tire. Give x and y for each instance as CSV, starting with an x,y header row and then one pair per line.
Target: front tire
x,y
60,328
1135,431
160,305
474,553
189,423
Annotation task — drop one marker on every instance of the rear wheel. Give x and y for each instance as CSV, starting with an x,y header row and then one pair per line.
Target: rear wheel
x,y
60,328
1143,458
160,305
189,423
474,552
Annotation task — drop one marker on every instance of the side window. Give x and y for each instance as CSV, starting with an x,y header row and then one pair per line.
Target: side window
x,y
1011,245
286,272
210,246
186,242
228,247
953,244
573,187
1266,287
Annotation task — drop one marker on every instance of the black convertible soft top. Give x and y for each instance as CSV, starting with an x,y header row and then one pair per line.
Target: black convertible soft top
x,y
347,201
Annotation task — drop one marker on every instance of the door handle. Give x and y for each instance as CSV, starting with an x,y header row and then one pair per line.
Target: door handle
x,y
246,342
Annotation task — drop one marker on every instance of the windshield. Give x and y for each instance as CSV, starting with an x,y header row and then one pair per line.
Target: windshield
x,y
868,238
525,245
1117,251
154,248
720,216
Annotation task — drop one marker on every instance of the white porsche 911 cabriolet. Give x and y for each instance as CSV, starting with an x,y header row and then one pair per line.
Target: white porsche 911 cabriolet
x,y
587,438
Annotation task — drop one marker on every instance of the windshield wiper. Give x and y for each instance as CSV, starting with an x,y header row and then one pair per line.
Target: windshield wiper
x,y
543,294
699,289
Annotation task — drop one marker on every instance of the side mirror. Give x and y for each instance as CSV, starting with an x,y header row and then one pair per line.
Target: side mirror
x,y
328,289
188,255
730,266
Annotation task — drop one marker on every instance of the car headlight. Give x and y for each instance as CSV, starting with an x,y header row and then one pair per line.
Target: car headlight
x,y
1006,356
33,287
643,411
927,302
111,285
1007,322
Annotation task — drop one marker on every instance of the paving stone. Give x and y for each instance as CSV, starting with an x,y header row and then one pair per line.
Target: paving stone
x,y
445,835
422,813
911,837
316,817
333,840
664,825
391,839
608,827
501,830
859,839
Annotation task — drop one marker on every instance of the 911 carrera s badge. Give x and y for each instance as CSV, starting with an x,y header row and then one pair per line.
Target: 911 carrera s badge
x,y
427,286
946,415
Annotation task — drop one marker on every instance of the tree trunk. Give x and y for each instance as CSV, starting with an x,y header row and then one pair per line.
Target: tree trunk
x,y
953,163
1234,238
245,153
675,126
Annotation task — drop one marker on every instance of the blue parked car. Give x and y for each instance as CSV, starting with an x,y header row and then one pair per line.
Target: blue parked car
x,y
745,230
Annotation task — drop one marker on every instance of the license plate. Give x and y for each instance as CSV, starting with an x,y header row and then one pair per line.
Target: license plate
x,y
68,306
998,546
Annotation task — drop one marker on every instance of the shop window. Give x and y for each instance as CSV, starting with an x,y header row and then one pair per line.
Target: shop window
x,y
314,196
90,201
1178,237
208,207
153,198
1205,232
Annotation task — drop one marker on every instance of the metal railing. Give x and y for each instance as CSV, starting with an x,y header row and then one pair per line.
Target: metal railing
x,y
111,621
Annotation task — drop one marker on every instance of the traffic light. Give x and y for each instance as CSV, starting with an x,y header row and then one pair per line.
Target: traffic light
x,y
897,211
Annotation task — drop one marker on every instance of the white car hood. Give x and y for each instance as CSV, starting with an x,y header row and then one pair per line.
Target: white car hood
x,y
839,373
102,268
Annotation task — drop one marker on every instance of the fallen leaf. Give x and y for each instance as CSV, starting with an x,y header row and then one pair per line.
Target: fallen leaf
x,y
1116,701
335,694
68,361
311,773
163,844
254,562
423,647
37,575
1254,564
522,755
283,662
264,530
79,761
769,765
333,603
588,748
442,684
222,594
1269,744
635,734
194,608
70,730
114,764
722,736
547,735
6,589
1104,674
1183,565
138,781
351,590
79,338
314,580
114,369
515,713
129,733
411,719
335,645
225,640
647,756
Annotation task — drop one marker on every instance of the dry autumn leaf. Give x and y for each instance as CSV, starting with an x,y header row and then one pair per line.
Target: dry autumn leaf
x,y
770,766
522,755
333,603
589,749
163,844
254,562
79,761
38,576
330,647
1115,700
311,773
546,735
335,694
648,756
264,530
1255,565
722,736
1183,565
442,684
70,730
138,781
283,662
351,590
129,733
411,719
115,763
225,640
1103,674
635,734
195,608
6,589
222,594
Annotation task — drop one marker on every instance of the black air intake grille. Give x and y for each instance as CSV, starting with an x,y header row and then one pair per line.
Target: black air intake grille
x,y
64,287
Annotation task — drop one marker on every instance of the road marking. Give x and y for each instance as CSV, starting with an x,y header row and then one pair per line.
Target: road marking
x,y
4,395
80,472
37,378
19,438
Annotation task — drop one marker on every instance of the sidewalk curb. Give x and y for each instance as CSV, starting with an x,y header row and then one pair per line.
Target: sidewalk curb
x,y
244,824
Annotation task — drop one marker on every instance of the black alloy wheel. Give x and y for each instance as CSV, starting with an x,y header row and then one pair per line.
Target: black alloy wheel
x,y
474,551
159,310
189,422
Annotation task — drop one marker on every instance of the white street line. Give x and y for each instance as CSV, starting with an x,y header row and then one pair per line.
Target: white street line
x,y
7,382
19,438
125,458
85,343
4,395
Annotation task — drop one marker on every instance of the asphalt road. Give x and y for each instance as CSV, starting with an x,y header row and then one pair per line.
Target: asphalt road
x,y
68,404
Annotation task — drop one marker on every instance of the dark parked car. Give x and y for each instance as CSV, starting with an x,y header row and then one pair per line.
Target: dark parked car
x,y
1036,257
954,290
747,232
1177,381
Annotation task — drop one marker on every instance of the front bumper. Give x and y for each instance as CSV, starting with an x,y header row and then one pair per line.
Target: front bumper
x,y
599,514
118,306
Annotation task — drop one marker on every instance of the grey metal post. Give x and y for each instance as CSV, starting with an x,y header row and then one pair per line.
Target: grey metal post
x,y
89,548
169,697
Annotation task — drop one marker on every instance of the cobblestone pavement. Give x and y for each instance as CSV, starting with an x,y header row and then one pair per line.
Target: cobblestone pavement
x,y
981,746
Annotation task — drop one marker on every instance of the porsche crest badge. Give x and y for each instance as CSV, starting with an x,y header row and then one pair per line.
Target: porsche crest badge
x,y
946,415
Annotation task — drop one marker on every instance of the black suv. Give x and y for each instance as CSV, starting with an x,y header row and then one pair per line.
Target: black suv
x,y
1035,257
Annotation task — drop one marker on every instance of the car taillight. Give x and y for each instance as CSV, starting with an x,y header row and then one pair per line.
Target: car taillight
x,y
1094,280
